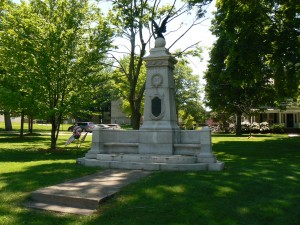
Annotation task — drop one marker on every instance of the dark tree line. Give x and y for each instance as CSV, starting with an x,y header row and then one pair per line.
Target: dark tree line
x,y
255,60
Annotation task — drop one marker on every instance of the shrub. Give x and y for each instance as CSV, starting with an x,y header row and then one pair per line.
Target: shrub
x,y
255,127
189,122
245,127
264,127
277,128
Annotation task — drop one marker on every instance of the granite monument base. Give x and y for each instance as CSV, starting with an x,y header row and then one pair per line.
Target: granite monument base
x,y
170,150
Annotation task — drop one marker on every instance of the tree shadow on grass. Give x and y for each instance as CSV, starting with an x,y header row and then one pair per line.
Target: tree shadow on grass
x,y
243,135
34,148
263,194
266,149
17,186
8,155
260,185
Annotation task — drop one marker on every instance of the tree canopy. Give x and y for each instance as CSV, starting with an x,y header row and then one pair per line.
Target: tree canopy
x,y
245,71
188,94
49,49
132,20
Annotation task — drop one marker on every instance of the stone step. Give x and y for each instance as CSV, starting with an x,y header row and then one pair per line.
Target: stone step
x,y
59,208
83,195
58,197
144,158
147,166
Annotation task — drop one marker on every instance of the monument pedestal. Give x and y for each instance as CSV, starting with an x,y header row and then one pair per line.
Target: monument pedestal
x,y
159,144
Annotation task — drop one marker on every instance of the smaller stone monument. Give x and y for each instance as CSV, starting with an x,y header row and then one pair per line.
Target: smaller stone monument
x,y
159,144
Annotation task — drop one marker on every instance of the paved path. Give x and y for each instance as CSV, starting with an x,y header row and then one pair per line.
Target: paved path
x,y
83,195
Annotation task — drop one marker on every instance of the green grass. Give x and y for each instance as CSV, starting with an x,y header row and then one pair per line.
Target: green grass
x,y
36,127
259,185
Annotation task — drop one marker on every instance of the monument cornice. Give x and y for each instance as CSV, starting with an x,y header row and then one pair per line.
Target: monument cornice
x,y
155,60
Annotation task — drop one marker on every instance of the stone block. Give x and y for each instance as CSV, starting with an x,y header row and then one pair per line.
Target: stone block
x,y
80,161
206,158
158,149
134,166
91,155
128,136
157,137
118,147
97,147
190,137
94,162
142,158
217,166
184,167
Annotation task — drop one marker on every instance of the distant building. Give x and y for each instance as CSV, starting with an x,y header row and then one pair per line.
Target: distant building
x,y
13,119
117,115
289,117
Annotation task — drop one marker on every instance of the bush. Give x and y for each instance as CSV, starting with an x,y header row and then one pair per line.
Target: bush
x,y
277,128
189,123
246,127
264,127
255,127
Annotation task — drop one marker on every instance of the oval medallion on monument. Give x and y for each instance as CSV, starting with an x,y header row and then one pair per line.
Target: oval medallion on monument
x,y
156,80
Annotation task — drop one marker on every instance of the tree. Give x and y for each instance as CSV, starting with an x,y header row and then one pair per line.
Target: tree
x,y
54,46
132,19
187,93
94,98
123,86
239,76
284,55
3,97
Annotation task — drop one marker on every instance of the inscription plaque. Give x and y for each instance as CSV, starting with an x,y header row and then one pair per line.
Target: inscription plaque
x,y
156,106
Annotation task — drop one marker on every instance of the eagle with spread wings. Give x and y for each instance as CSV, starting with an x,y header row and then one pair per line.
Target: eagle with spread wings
x,y
159,30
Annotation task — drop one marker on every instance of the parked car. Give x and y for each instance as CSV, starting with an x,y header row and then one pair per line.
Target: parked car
x,y
103,126
85,126
114,126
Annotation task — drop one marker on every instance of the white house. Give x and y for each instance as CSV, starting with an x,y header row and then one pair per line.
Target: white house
x,y
289,117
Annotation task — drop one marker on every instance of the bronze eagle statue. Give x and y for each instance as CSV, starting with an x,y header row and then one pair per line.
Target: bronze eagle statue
x,y
159,30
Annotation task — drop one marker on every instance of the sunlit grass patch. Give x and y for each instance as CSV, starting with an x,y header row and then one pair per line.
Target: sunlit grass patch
x,y
259,184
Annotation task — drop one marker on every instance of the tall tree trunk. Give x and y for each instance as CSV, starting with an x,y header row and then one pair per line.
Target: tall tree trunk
x,y
101,117
22,124
53,133
30,125
7,121
136,119
136,115
55,126
239,124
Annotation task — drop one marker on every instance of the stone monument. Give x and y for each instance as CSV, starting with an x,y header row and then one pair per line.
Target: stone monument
x,y
159,144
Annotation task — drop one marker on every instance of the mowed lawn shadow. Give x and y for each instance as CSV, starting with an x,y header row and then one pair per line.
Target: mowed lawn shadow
x,y
260,185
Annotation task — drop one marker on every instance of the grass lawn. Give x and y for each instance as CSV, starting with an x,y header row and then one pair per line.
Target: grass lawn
x,y
260,185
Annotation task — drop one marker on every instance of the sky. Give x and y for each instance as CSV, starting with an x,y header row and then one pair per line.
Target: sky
x,y
201,33
198,33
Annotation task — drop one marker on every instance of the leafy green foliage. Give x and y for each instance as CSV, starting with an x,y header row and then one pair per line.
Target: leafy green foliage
x,y
187,94
240,74
284,56
52,48
121,77
132,21
277,128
